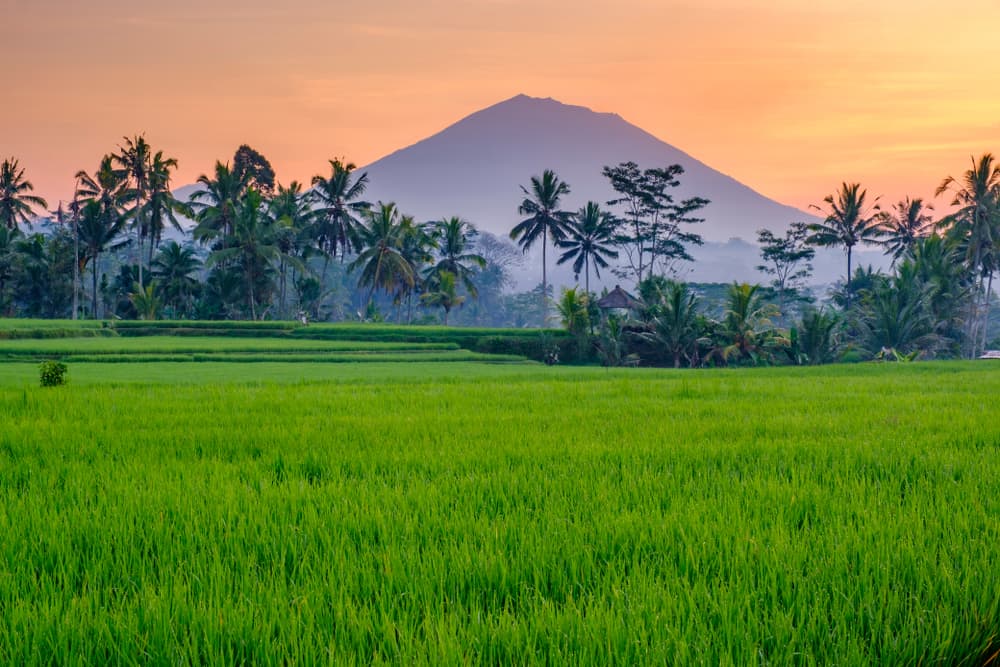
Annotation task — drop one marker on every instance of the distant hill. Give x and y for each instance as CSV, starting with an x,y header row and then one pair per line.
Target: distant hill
x,y
475,168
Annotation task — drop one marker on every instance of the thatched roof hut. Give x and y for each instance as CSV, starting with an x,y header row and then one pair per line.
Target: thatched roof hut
x,y
618,299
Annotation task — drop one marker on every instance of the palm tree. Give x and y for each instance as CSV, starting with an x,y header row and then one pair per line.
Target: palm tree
x,y
454,238
8,241
16,202
817,336
290,209
252,248
135,157
675,326
574,311
161,206
381,261
174,268
908,221
977,224
591,233
417,243
215,204
98,229
746,330
849,222
444,294
541,204
340,205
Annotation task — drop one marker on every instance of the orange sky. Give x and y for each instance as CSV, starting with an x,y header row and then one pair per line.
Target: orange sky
x,y
789,97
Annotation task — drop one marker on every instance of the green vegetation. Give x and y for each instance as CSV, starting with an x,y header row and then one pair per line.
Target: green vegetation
x,y
519,514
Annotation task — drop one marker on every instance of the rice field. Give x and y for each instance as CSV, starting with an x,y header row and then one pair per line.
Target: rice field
x,y
443,513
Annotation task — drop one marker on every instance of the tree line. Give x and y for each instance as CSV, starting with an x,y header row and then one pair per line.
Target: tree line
x,y
260,249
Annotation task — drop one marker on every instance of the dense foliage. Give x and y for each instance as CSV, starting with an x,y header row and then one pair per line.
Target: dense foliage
x,y
262,250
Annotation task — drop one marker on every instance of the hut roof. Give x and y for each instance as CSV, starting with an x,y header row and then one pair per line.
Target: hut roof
x,y
618,298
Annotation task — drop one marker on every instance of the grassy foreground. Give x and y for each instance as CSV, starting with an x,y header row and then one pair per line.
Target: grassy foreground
x,y
520,514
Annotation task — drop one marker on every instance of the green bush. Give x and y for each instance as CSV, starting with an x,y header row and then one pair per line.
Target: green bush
x,y
53,373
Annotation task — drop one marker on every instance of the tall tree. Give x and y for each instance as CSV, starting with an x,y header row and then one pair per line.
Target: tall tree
x,y
589,240
99,228
339,209
255,170
654,227
174,268
216,203
849,221
16,200
545,219
454,238
976,224
252,249
908,221
380,260
161,205
786,259
443,294
135,158
292,214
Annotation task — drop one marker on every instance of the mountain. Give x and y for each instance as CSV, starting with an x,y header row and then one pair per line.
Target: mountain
x,y
475,168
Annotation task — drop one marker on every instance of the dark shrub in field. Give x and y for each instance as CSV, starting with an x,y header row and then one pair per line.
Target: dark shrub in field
x,y
53,373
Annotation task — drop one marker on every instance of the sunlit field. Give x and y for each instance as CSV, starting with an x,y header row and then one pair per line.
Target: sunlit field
x,y
447,513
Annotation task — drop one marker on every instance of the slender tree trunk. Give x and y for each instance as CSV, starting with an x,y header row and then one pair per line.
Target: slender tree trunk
x,y
76,260
848,287
986,315
446,317
586,272
93,272
545,288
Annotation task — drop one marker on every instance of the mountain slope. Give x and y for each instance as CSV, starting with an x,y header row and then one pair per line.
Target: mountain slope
x,y
475,167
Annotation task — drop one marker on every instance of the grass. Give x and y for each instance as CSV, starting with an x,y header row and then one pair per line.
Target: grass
x,y
13,349
467,513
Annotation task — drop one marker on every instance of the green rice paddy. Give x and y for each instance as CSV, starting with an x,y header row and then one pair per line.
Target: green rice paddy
x,y
470,513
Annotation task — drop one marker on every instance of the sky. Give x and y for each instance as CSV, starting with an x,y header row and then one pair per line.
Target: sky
x,y
790,97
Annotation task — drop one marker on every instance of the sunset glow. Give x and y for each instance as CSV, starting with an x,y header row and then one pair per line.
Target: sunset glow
x,y
789,97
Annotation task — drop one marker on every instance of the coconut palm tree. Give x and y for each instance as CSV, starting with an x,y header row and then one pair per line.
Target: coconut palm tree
x,y
292,214
443,295
161,207
454,238
417,245
252,248
8,241
174,268
215,204
16,202
976,224
381,261
545,219
675,327
908,221
339,209
745,330
99,229
135,158
590,236
849,221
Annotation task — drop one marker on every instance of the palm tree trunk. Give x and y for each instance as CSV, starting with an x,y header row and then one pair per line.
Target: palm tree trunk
x,y
545,287
93,273
986,315
848,286
586,272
